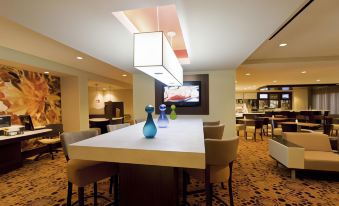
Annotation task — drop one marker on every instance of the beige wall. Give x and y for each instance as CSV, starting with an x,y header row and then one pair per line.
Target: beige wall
x,y
121,95
221,91
300,98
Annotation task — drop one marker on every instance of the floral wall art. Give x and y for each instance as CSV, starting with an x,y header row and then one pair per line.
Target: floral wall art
x,y
30,93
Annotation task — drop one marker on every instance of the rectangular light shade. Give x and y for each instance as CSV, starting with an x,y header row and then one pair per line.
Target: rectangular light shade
x,y
154,56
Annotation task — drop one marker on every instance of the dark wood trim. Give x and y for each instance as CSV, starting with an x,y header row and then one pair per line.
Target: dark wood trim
x,y
291,19
202,109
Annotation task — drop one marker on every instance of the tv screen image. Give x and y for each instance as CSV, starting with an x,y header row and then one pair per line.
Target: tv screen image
x,y
285,96
263,96
186,95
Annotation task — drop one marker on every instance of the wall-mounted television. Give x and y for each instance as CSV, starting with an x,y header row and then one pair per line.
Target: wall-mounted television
x,y
187,95
263,96
285,96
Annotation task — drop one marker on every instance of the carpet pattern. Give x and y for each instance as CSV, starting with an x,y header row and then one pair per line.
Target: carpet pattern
x,y
257,181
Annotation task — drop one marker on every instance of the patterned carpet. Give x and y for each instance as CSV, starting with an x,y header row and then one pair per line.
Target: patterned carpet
x,y
257,181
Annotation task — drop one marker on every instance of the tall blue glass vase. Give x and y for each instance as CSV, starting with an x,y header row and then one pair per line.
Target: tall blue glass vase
x,y
150,130
162,120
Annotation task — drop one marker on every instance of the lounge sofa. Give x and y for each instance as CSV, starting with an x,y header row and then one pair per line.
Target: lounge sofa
x,y
310,151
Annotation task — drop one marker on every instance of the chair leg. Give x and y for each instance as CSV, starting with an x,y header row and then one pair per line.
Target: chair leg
x,y
51,151
95,193
230,184
81,196
69,194
246,135
261,133
336,133
208,187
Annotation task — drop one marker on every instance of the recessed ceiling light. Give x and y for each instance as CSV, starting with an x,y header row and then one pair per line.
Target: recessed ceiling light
x,y
274,81
79,58
282,44
318,80
104,88
124,75
46,72
303,72
248,74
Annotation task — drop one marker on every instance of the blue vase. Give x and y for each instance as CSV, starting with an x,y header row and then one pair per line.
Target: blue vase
x,y
149,128
162,120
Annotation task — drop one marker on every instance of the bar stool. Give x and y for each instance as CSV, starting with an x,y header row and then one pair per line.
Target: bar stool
x,y
214,132
85,172
215,123
220,155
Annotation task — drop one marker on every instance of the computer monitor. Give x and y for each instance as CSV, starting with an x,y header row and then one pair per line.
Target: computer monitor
x,y
26,120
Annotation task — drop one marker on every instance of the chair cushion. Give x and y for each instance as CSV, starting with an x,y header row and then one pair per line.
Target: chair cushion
x,y
49,141
335,126
317,160
277,131
84,172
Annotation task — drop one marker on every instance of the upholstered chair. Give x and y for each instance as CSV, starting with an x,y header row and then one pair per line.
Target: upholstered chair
x,y
112,127
136,121
85,172
335,127
239,127
220,155
52,140
253,127
214,123
214,132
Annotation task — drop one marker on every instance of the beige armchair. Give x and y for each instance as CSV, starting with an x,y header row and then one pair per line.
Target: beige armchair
x,y
220,155
310,151
85,172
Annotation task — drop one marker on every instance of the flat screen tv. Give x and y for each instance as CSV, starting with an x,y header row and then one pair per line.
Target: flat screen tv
x,y
263,96
183,96
285,96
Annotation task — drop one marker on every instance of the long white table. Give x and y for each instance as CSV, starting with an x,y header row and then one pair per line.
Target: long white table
x,y
146,164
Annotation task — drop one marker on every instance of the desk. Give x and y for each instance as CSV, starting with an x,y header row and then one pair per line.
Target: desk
x,y
275,118
10,148
148,167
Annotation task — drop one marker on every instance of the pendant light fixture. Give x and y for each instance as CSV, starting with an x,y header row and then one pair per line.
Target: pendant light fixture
x,y
154,56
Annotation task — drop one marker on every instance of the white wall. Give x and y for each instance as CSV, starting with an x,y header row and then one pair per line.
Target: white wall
x,y
300,98
121,95
221,91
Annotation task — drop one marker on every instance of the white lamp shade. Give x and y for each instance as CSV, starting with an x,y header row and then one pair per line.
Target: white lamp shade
x,y
154,56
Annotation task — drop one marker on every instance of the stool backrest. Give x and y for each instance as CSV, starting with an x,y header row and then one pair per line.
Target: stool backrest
x,y
214,132
68,138
214,123
221,152
112,127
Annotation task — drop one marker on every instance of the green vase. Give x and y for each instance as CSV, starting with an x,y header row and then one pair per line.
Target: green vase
x,y
173,115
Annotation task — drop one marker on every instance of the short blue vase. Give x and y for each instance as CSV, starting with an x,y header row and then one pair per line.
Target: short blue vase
x,y
162,120
150,130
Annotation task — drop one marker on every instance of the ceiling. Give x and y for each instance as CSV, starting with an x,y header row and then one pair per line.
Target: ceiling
x,y
221,34
312,46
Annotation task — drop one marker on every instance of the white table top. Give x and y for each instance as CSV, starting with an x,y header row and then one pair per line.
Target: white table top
x,y
26,133
179,145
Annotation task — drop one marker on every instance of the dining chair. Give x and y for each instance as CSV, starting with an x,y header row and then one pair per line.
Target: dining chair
x,y
112,127
214,123
136,121
85,172
214,132
265,123
220,155
276,129
252,127
239,127
52,140
335,127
